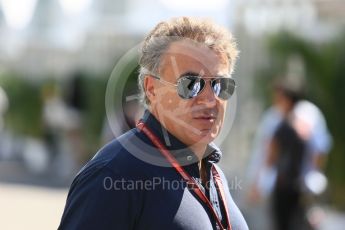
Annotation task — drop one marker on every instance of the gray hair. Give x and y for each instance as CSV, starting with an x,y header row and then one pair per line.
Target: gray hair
x,y
201,31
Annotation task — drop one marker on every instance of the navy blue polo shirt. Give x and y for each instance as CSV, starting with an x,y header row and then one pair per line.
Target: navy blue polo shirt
x,y
128,185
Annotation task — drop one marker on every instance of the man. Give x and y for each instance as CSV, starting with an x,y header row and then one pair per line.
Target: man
x,y
286,152
162,175
309,123
292,141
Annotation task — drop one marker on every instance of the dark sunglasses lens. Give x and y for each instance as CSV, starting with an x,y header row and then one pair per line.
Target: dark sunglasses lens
x,y
223,87
190,86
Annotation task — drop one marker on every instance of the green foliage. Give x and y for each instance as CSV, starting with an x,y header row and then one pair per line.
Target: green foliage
x,y
94,113
24,116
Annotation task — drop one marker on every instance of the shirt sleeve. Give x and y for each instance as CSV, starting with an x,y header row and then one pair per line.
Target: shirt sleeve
x,y
320,141
99,201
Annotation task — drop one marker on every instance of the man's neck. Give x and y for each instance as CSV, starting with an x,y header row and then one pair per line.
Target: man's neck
x,y
199,150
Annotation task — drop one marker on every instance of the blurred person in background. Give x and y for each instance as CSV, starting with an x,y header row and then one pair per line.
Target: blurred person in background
x,y
132,112
286,152
75,105
62,131
185,80
261,178
3,108
291,144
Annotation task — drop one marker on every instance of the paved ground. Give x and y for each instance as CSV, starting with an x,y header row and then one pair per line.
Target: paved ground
x,y
30,207
29,200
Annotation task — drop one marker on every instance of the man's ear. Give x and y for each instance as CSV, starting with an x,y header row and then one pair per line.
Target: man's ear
x,y
149,88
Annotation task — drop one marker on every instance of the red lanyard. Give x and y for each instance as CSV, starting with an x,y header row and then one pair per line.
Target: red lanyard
x,y
190,180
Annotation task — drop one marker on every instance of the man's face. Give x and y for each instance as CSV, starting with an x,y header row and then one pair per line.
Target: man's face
x,y
195,120
282,102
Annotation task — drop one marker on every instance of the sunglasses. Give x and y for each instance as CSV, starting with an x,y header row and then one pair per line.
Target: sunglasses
x,y
190,86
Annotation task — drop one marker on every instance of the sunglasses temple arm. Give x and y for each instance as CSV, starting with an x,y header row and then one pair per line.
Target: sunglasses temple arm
x,y
155,77
163,81
169,83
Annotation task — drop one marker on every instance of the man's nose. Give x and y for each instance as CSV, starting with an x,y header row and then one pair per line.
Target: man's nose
x,y
207,96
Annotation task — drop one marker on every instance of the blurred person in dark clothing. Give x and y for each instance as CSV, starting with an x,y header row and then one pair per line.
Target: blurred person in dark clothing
x,y
263,176
75,104
291,144
286,152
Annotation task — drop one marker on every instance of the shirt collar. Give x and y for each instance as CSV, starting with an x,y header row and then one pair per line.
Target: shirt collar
x,y
178,149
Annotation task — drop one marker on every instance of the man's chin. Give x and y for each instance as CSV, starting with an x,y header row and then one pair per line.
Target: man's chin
x,y
205,136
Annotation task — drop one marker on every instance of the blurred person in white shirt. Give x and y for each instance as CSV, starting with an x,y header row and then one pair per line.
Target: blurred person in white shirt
x,y
310,125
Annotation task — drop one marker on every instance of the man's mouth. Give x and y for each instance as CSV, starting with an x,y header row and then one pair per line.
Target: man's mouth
x,y
206,117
